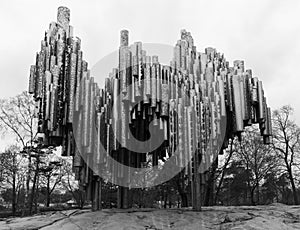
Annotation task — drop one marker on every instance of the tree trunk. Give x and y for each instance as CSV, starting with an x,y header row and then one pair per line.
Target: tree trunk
x,y
252,196
181,190
223,173
48,192
257,193
184,200
33,187
27,190
81,199
209,195
13,203
295,196
165,200
219,187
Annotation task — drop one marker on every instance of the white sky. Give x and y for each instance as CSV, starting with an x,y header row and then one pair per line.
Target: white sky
x,y
266,34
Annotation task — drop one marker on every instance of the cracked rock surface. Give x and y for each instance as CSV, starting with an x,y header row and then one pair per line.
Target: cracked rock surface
x,y
276,216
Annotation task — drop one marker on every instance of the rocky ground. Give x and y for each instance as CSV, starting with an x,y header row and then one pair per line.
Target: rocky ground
x,y
276,216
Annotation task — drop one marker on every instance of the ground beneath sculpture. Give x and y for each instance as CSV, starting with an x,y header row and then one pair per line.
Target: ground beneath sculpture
x,y
276,216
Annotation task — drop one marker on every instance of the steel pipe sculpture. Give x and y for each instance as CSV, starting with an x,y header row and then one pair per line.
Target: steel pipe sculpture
x,y
187,102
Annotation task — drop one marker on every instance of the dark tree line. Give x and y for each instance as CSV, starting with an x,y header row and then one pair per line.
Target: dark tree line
x,y
253,173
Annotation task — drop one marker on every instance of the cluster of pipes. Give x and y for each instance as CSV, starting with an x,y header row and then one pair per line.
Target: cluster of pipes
x,y
191,108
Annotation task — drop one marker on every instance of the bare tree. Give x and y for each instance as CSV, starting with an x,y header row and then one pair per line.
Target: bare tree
x,y
258,159
44,166
51,172
286,143
244,168
71,185
12,164
221,171
17,118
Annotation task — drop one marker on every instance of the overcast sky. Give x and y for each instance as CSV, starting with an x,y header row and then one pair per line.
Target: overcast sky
x,y
266,34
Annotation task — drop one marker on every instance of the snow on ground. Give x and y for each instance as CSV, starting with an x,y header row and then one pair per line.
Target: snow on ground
x,y
276,216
